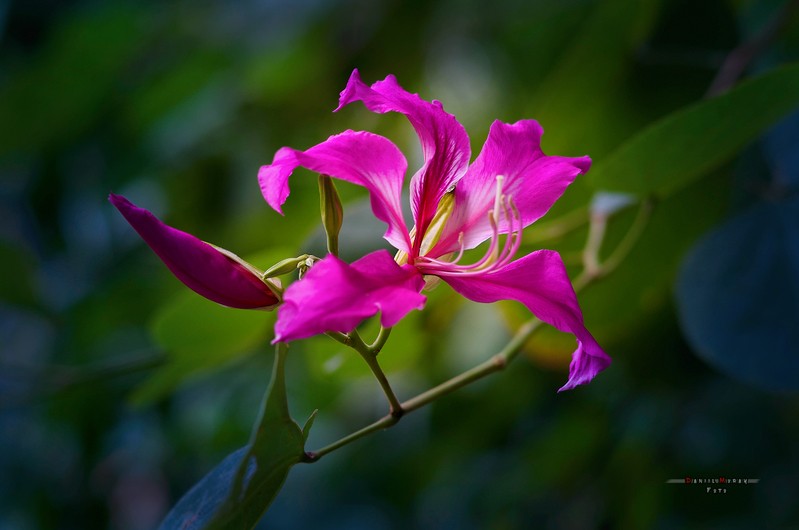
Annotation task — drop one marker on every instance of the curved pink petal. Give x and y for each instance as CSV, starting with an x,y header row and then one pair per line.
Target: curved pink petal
x,y
539,281
334,296
200,266
362,158
445,143
532,179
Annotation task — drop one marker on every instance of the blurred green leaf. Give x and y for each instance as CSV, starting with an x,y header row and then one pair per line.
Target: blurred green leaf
x,y
200,335
67,86
738,296
578,103
157,97
16,285
278,74
237,492
687,144
569,443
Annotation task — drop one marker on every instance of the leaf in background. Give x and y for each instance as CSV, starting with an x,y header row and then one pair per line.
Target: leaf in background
x,y
200,335
237,492
16,283
580,104
59,95
738,296
780,148
583,103
681,147
161,95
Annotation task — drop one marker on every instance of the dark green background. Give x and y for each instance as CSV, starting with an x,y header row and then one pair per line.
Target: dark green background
x,y
119,389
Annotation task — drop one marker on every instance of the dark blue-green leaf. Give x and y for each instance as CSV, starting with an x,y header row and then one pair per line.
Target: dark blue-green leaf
x,y
238,491
738,296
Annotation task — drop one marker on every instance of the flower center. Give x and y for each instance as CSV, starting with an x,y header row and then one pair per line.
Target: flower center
x,y
498,255
434,230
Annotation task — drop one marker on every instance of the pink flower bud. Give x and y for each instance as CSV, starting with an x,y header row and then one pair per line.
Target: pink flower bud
x,y
216,274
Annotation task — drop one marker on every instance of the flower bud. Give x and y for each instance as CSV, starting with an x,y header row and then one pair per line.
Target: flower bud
x,y
216,274
332,213
285,266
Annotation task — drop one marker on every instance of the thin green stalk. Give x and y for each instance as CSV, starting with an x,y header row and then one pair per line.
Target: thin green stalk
x,y
496,363
343,338
383,423
370,356
380,341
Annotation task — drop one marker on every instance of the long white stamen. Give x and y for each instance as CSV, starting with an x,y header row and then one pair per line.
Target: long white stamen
x,y
498,197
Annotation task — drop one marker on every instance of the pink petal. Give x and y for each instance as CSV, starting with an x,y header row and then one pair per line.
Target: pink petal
x,y
361,158
539,281
200,266
532,179
445,143
334,296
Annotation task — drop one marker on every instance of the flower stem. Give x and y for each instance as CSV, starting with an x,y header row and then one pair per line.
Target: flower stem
x,y
494,364
369,354
383,423
343,338
594,268
380,341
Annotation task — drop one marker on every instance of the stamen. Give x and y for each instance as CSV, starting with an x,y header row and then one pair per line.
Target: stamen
x,y
494,257
498,197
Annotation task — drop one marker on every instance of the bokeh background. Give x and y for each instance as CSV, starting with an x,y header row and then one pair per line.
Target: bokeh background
x,y
119,389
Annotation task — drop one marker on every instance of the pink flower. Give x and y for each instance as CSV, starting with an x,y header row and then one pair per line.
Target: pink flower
x,y
455,206
212,272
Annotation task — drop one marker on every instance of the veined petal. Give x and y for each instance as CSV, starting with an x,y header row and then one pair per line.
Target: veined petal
x,y
539,281
209,272
335,296
362,158
532,179
445,143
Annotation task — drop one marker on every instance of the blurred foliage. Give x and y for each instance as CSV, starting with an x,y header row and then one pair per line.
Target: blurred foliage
x,y
119,391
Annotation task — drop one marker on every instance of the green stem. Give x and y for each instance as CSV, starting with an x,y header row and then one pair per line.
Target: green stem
x,y
380,341
496,363
369,355
383,423
343,338
599,269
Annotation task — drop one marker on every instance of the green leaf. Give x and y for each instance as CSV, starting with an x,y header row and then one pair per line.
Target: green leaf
x,y
685,145
237,492
16,282
581,104
84,58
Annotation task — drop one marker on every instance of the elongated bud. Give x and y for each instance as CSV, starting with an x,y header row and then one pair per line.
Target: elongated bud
x,y
212,272
332,213
285,266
